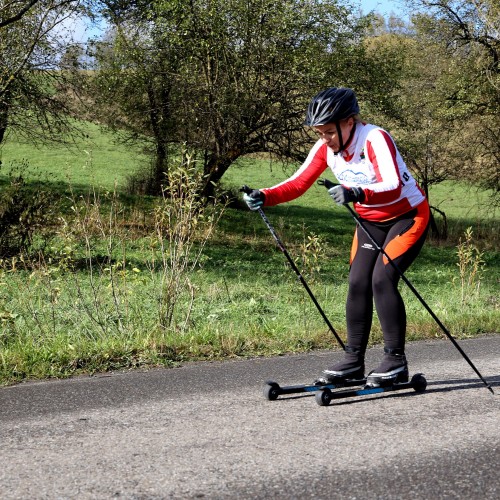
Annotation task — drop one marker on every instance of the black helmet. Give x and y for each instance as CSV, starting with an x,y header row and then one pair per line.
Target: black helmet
x,y
331,105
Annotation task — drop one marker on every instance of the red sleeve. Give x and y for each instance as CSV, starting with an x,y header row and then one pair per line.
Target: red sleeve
x,y
302,180
383,156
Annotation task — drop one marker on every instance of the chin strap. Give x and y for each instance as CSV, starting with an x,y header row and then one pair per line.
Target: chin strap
x,y
339,134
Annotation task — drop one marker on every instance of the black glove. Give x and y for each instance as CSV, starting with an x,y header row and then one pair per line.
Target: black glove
x,y
343,195
255,199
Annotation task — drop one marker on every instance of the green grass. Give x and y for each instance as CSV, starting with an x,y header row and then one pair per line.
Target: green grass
x,y
67,316
94,160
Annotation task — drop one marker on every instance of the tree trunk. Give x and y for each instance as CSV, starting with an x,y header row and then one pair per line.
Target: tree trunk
x,y
4,119
439,234
159,114
435,232
160,170
215,168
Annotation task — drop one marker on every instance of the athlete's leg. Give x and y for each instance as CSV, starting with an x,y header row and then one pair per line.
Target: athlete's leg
x,y
359,312
403,243
359,304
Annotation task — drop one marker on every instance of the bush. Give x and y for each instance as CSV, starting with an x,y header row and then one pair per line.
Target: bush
x,y
25,210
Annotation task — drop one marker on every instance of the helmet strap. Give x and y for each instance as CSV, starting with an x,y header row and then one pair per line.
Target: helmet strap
x,y
339,135
341,141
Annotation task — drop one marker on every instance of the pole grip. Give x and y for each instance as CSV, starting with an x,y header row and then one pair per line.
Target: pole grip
x,y
327,183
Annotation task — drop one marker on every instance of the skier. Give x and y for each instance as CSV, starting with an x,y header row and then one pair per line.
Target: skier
x,y
373,176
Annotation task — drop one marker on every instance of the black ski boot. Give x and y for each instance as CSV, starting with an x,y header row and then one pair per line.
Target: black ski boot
x,y
392,370
352,367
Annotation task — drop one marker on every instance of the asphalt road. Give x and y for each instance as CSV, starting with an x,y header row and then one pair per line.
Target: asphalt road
x,y
205,431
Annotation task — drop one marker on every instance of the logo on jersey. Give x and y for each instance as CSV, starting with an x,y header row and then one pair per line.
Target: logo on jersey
x,y
368,246
351,177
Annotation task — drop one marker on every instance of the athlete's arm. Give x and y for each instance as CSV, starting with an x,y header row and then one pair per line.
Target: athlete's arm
x,y
302,180
382,154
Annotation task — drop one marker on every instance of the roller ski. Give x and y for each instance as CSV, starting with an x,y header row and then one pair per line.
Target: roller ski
x,y
326,393
272,390
336,382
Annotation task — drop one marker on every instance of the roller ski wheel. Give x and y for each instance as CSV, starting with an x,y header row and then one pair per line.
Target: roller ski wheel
x,y
324,397
271,390
418,382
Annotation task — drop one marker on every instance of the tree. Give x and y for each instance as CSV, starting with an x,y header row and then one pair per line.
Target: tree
x,y
14,11
444,112
30,44
228,78
470,32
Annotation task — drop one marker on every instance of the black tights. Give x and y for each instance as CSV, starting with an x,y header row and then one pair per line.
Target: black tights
x,y
373,280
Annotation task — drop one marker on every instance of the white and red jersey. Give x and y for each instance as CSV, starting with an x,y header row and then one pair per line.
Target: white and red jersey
x,y
371,161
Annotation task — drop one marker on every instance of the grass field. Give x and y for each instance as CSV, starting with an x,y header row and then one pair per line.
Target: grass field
x,y
96,159
97,299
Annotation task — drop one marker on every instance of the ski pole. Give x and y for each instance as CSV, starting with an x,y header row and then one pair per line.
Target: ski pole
x,y
329,184
247,190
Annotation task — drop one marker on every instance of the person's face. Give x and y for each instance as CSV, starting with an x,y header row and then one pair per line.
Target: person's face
x,y
329,135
